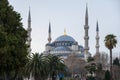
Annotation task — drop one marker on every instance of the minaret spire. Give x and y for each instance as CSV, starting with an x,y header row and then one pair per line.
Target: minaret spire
x,y
86,15
29,32
49,33
97,38
86,37
29,16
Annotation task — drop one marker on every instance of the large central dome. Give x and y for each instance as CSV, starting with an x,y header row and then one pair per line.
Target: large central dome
x,y
65,38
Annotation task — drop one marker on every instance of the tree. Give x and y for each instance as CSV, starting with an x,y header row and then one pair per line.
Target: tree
x,y
37,67
91,67
107,75
116,69
13,48
56,66
110,43
104,60
75,65
116,62
90,59
101,61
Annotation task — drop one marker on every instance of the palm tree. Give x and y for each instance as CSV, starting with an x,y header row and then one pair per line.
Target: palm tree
x,y
37,67
110,43
56,65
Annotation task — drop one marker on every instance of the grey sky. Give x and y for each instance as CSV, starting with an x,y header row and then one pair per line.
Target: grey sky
x,y
70,14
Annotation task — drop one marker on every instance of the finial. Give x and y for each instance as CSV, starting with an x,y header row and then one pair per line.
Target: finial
x,y
64,31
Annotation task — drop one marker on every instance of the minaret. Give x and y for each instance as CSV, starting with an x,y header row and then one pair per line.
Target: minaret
x,y
29,33
97,39
86,37
49,34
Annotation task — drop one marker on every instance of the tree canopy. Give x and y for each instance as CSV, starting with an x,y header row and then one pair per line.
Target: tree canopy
x,y
110,41
13,48
107,75
116,61
40,67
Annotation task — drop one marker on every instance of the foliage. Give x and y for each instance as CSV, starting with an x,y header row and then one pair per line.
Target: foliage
x,y
110,41
104,59
13,48
116,62
56,65
91,68
107,75
90,78
99,67
36,67
40,66
90,59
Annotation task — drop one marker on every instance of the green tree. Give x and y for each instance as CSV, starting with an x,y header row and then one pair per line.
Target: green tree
x,y
110,43
13,48
116,62
91,68
107,75
90,59
56,66
36,67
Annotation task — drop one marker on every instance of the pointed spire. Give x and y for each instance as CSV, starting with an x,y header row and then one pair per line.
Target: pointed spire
x,y
29,29
49,28
86,15
49,33
97,38
97,28
64,31
29,16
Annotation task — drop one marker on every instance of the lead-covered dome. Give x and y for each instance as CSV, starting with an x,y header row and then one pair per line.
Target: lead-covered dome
x,y
65,38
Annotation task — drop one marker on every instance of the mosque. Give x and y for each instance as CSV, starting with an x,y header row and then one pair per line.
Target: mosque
x,y
74,55
65,45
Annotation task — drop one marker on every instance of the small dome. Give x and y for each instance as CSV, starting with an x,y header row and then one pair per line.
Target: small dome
x,y
62,48
65,38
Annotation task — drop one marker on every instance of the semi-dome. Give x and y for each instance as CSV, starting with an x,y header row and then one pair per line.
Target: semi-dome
x,y
65,38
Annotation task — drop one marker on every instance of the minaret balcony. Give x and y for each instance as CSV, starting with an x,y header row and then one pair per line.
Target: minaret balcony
x,y
29,29
86,37
86,48
97,37
86,27
97,46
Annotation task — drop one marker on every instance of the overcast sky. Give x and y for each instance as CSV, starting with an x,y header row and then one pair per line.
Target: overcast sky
x,y
70,14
